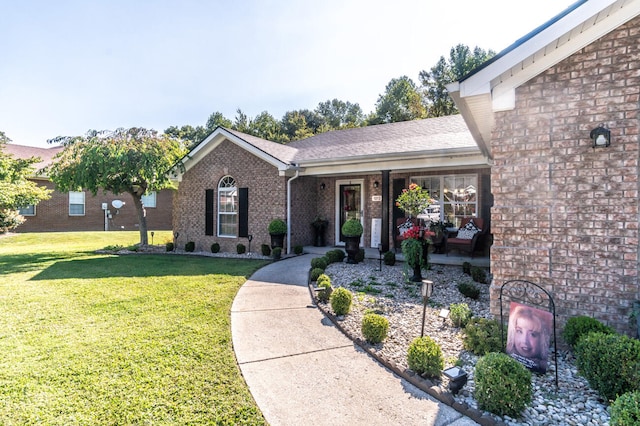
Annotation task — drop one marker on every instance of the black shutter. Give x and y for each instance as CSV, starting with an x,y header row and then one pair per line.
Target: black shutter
x,y
209,212
243,212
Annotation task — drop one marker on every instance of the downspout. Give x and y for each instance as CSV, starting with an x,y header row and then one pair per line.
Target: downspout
x,y
289,210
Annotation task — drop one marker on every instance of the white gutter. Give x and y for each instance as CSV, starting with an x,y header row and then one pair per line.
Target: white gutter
x,y
289,210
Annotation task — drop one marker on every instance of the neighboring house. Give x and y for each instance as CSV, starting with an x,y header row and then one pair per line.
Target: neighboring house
x,y
234,184
81,211
565,213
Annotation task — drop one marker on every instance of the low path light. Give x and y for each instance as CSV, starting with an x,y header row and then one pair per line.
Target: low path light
x,y
427,291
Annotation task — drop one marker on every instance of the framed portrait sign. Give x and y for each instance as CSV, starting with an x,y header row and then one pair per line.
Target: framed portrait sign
x,y
529,336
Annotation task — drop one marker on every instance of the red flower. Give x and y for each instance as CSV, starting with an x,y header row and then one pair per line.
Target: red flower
x,y
413,232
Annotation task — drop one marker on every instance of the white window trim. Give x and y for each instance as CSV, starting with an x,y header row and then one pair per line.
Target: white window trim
x,y
28,214
441,201
84,209
224,189
150,196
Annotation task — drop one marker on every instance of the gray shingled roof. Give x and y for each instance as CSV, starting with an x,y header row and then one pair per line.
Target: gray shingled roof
x,y
284,153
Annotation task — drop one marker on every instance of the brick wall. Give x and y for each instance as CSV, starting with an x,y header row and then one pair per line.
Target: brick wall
x,y
565,215
52,215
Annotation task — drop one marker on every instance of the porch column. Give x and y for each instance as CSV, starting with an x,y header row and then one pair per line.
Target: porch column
x,y
385,210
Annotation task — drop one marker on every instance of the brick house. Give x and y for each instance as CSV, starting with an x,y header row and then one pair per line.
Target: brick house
x,y
234,184
565,213
81,211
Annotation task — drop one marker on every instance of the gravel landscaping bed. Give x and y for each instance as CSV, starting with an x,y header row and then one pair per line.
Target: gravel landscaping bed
x,y
389,293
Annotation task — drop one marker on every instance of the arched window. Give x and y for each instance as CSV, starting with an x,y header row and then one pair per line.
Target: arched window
x,y
227,207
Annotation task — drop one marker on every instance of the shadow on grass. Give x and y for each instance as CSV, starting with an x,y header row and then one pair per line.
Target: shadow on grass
x,y
145,266
18,263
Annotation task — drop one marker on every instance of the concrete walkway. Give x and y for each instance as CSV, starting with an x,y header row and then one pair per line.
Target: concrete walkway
x,y
302,370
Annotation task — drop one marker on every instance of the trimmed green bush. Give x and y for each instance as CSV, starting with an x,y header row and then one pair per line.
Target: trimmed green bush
x,y
389,258
241,248
609,362
374,328
460,314
323,278
482,336
424,356
277,226
298,250
625,410
352,228
579,326
360,256
469,290
266,249
478,274
503,385
326,289
169,246
341,301
319,263
466,268
315,273
215,248
190,247
335,256
276,252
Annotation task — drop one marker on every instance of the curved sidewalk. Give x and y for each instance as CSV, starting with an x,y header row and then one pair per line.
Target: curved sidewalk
x,y
302,370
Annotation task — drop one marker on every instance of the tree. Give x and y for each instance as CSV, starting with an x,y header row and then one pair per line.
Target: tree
x,y
16,190
131,161
192,135
461,62
217,119
401,101
340,115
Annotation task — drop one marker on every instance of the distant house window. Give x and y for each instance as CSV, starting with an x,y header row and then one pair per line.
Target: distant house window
x,y
149,199
28,211
227,207
76,203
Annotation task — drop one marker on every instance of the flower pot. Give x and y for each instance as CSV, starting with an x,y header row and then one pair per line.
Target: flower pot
x,y
277,240
352,247
417,274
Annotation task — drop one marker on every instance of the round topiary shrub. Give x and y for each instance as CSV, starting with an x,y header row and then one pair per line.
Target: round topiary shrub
x,y
341,301
482,335
374,328
323,278
503,385
466,268
325,290
298,250
315,274
265,249
469,290
609,362
360,255
389,258
335,256
190,247
241,248
460,314
215,248
478,274
579,326
319,263
277,227
424,356
169,246
276,253
625,410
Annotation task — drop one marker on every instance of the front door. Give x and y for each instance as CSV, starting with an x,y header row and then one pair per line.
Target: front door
x,y
349,204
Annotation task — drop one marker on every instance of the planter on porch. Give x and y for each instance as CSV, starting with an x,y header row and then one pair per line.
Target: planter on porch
x,y
352,231
319,227
352,247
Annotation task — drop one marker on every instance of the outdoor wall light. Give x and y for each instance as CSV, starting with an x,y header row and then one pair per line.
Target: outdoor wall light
x,y
457,378
323,186
376,184
601,136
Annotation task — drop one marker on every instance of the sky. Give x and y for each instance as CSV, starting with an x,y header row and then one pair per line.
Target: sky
x,y
69,66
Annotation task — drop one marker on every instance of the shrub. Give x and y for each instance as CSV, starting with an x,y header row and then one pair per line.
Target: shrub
x,y
478,274
315,273
469,290
579,326
241,248
190,247
335,256
466,268
360,256
374,328
298,250
276,252
390,258
277,226
323,278
169,246
319,263
424,356
503,385
609,362
324,294
460,314
266,249
10,219
341,301
352,228
215,248
482,336
625,410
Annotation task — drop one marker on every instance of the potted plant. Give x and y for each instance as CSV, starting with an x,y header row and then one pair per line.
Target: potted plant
x,y
352,231
319,226
439,229
413,252
277,229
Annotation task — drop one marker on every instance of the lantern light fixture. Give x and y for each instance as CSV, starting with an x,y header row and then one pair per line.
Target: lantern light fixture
x,y
601,136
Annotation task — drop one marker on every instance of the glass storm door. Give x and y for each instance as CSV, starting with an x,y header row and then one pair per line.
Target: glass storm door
x,y
350,203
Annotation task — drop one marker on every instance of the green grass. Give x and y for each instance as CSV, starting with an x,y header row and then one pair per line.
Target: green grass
x,y
90,339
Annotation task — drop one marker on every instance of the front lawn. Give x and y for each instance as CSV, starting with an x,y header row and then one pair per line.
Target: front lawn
x,y
100,339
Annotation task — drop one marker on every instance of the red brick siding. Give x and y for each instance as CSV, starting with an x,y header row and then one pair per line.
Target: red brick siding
x,y
52,215
565,215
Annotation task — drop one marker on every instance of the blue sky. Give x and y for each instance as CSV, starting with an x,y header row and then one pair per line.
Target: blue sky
x,y
69,66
